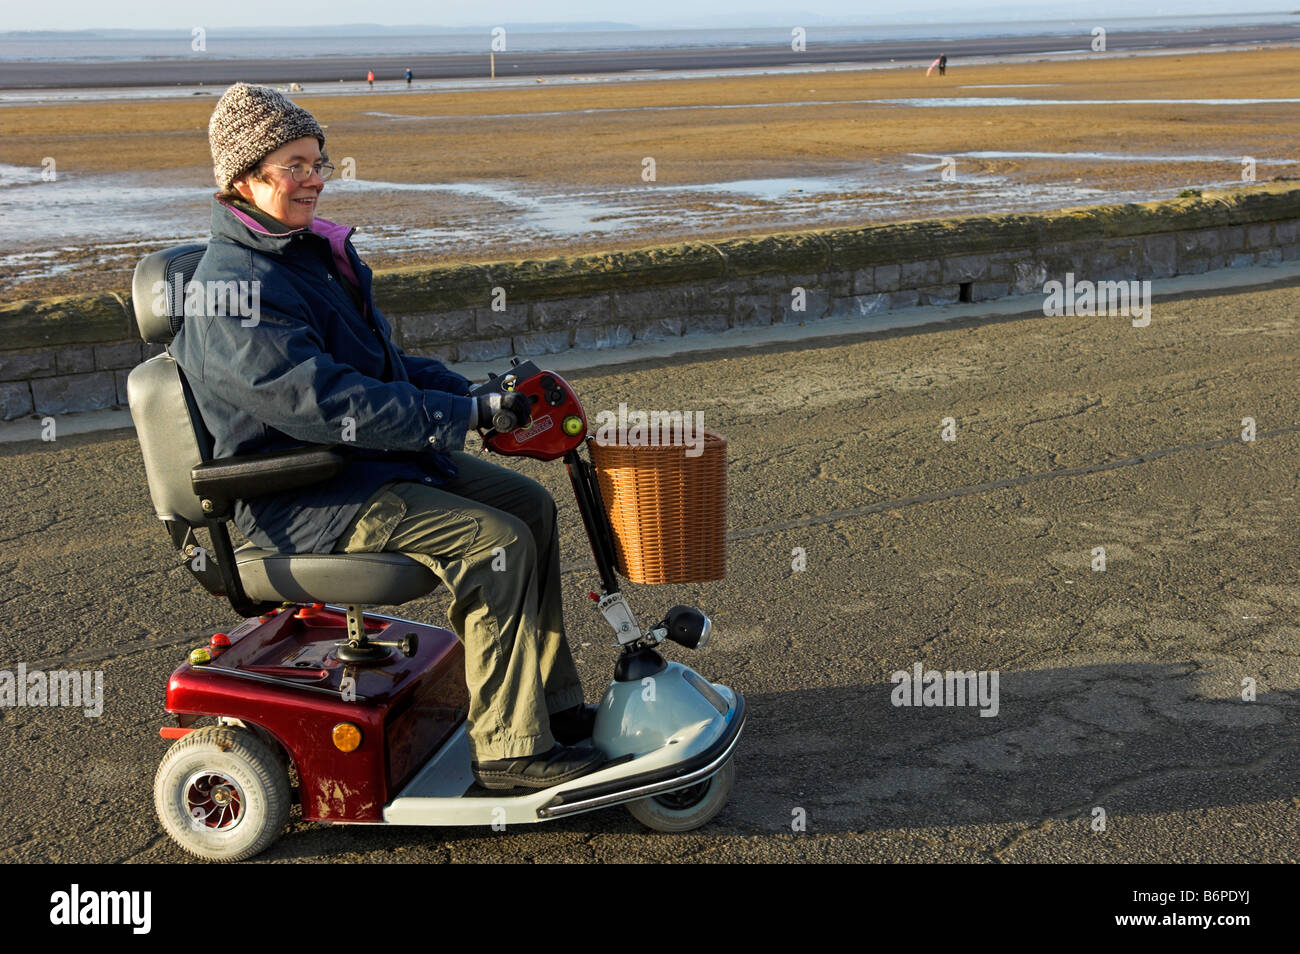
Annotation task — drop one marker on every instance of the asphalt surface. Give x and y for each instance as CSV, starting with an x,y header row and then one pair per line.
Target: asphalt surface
x,y
1119,690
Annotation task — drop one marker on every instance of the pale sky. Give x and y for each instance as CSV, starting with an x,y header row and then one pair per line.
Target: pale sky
x,y
170,14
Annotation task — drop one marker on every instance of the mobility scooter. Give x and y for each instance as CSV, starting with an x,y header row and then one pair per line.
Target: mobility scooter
x,y
366,711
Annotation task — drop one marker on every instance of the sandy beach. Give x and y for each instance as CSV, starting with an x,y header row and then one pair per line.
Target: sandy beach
x,y
486,174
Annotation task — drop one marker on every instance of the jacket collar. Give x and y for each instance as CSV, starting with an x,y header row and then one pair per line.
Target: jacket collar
x,y
234,224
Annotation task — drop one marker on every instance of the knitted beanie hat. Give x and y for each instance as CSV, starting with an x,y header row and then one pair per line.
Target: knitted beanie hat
x,y
250,123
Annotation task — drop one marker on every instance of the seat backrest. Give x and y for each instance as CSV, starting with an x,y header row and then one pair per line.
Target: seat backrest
x,y
167,421
158,291
172,436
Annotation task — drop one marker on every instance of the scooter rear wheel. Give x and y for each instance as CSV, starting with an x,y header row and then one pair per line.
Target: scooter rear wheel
x,y
222,793
688,808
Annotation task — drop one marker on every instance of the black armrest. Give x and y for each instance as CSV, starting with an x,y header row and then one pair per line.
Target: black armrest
x,y
252,475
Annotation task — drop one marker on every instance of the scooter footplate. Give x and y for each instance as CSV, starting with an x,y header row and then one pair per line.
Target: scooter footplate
x,y
438,794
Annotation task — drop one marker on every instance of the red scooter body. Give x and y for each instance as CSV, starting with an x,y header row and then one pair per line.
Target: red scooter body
x,y
278,675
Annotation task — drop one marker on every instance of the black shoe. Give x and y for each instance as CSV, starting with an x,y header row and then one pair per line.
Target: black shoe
x,y
543,770
573,725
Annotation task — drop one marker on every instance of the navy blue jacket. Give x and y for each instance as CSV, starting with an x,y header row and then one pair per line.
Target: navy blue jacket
x,y
309,361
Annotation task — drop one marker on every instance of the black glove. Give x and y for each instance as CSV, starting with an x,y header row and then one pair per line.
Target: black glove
x,y
502,410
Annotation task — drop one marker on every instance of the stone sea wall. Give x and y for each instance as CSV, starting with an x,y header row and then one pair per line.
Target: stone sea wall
x,y
73,353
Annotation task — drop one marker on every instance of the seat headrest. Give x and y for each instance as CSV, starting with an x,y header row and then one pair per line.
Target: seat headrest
x,y
158,291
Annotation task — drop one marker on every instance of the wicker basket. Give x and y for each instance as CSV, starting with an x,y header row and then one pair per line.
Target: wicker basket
x,y
668,511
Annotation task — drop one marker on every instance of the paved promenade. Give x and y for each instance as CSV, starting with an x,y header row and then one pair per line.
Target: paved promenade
x,y
1119,690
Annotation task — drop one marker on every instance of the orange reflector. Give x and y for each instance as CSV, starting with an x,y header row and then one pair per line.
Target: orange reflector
x,y
347,737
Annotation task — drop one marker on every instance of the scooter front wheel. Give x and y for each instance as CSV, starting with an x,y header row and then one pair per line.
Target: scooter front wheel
x,y
687,808
222,793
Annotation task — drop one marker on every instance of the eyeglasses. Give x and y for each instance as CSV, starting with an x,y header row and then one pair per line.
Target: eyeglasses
x,y
301,172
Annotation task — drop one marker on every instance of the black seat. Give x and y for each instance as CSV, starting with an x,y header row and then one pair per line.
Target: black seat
x,y
191,491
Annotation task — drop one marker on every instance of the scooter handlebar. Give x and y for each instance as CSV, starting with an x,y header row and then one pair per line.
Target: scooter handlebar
x,y
537,414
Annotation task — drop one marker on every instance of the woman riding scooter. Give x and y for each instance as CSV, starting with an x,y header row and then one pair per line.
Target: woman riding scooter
x,y
314,364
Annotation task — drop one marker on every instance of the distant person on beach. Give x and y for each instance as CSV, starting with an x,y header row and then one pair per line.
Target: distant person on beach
x,y
409,76
943,63
370,78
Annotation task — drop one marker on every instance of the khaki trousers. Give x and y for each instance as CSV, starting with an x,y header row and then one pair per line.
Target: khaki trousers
x,y
490,536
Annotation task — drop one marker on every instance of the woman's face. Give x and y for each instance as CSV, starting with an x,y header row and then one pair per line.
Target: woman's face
x,y
276,193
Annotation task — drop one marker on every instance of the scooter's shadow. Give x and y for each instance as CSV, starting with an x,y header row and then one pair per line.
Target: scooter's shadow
x,y
550,841
1125,738
1128,739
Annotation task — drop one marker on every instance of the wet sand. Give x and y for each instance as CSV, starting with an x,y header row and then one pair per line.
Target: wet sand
x,y
868,138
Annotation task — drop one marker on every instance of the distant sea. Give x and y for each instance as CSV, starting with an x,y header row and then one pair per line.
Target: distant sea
x,y
90,46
